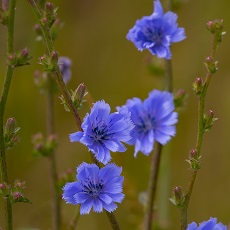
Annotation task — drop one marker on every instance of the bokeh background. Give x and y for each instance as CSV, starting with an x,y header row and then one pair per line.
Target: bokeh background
x,y
94,37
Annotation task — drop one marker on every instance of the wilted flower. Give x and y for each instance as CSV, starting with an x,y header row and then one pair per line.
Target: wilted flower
x,y
156,32
95,187
154,119
103,132
65,64
207,225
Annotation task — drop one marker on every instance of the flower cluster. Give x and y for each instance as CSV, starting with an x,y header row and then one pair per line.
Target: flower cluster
x,y
207,225
103,132
156,32
95,187
154,119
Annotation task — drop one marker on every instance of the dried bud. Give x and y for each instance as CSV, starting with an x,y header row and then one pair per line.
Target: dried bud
x,y
198,86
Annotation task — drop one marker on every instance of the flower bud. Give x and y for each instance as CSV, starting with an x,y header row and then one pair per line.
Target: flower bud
x,y
208,120
17,195
49,8
211,65
198,86
177,196
179,98
52,142
81,92
193,154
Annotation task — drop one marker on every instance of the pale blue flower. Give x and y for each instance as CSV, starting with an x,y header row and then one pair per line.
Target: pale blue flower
x,y
154,120
95,187
156,32
65,65
207,225
103,132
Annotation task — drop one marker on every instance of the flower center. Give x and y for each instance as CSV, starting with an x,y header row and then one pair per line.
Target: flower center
x,y
147,124
91,187
101,131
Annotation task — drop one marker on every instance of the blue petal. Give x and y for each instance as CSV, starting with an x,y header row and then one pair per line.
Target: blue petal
x,y
81,197
110,207
76,136
192,226
105,198
178,35
158,10
70,189
97,205
86,207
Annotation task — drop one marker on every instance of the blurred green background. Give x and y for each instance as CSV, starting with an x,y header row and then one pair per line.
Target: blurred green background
x,y
94,37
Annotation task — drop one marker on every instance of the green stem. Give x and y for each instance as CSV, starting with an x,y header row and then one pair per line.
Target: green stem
x,y
112,219
3,99
199,141
73,223
168,76
154,170
52,161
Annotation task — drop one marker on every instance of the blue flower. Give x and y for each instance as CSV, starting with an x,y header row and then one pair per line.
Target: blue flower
x,y
103,132
154,119
156,32
207,225
95,187
65,64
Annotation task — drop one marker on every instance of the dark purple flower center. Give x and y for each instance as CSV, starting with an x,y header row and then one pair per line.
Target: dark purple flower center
x,y
100,131
91,187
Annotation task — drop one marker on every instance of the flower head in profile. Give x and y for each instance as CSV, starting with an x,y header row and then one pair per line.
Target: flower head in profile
x,y
154,119
65,64
103,132
95,187
156,32
207,225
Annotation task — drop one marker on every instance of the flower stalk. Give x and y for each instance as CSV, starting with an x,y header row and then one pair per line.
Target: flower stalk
x,y
3,99
51,158
215,28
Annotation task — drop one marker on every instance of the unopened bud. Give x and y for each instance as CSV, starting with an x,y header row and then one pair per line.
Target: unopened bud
x,y
17,195
193,154
198,86
49,8
179,98
81,91
209,120
10,125
2,186
54,56
178,194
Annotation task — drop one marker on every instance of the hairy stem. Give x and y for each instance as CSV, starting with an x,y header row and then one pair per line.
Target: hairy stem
x,y
52,161
199,140
112,220
3,99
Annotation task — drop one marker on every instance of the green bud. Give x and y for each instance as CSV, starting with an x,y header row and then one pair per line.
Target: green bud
x,y
10,133
194,160
211,65
4,16
52,143
177,196
179,98
197,86
208,120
